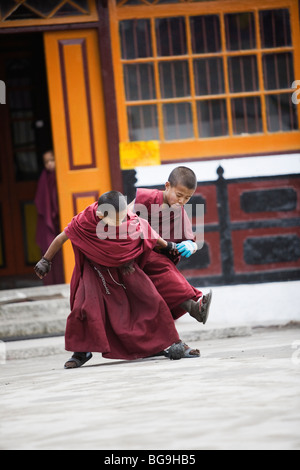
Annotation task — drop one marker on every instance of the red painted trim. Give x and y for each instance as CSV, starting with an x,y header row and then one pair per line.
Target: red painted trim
x,y
109,97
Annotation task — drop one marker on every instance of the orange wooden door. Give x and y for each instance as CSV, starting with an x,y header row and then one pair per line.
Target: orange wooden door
x,y
78,123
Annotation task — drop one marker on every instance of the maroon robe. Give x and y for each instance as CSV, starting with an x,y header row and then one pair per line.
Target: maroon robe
x,y
120,315
170,283
46,203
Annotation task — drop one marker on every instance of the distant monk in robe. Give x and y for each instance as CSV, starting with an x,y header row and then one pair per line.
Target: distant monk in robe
x,y
115,308
46,202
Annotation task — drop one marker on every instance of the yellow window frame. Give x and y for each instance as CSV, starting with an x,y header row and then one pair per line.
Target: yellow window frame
x,y
196,148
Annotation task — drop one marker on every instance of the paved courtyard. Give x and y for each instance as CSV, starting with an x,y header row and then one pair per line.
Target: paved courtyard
x,y
244,393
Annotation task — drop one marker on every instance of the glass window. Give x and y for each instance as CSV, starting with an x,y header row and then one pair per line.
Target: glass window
x,y
212,118
139,82
246,115
174,79
207,75
278,71
135,39
20,100
275,28
243,74
240,31
281,114
37,9
171,36
178,122
143,123
206,34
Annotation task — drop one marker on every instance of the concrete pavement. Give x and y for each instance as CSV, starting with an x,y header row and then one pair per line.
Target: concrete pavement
x,y
244,393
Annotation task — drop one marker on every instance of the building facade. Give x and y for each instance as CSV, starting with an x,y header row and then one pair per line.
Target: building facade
x,y
124,90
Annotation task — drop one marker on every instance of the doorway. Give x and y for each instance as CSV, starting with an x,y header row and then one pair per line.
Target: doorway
x,y
25,134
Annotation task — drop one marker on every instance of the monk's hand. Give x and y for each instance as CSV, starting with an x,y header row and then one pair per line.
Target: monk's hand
x,y
42,268
128,269
172,248
187,248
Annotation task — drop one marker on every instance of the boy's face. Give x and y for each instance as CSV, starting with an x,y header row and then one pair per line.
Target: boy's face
x,y
49,161
114,220
177,195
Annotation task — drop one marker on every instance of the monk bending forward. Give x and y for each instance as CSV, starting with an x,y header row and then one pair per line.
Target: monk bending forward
x,y
115,308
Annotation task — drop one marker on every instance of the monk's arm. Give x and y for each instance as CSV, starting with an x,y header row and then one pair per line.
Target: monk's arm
x,y
55,246
44,265
161,243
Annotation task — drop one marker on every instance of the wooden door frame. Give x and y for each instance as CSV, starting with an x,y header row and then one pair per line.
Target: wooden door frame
x,y
14,193
103,28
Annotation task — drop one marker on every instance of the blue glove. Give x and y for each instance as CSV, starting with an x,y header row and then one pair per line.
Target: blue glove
x,y
187,249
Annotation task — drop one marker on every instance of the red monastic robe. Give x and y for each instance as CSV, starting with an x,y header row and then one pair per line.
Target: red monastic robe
x,y
120,315
169,282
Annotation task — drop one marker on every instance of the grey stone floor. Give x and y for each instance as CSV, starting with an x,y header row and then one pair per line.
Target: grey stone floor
x,y
244,393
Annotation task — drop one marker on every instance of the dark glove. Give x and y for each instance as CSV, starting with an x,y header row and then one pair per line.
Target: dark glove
x,y
172,246
42,268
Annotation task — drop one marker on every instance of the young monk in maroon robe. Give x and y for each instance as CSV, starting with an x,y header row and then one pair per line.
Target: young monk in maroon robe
x,y
115,308
154,206
46,203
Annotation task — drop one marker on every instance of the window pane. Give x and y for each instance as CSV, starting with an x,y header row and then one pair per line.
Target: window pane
x,y
275,28
240,31
278,71
45,7
23,133
6,6
135,39
205,31
243,75
142,122
26,165
35,9
209,76
178,122
212,118
246,115
174,79
171,36
139,82
281,113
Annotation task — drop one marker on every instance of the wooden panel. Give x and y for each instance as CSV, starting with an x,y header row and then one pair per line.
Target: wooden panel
x,y
266,249
274,199
78,123
77,96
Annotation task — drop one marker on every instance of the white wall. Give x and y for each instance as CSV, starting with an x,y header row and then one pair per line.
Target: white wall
x,y
246,167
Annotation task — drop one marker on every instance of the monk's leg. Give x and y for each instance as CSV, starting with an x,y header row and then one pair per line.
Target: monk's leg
x,y
171,284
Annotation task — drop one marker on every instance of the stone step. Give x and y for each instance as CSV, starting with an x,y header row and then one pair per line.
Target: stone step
x,y
34,309
34,312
